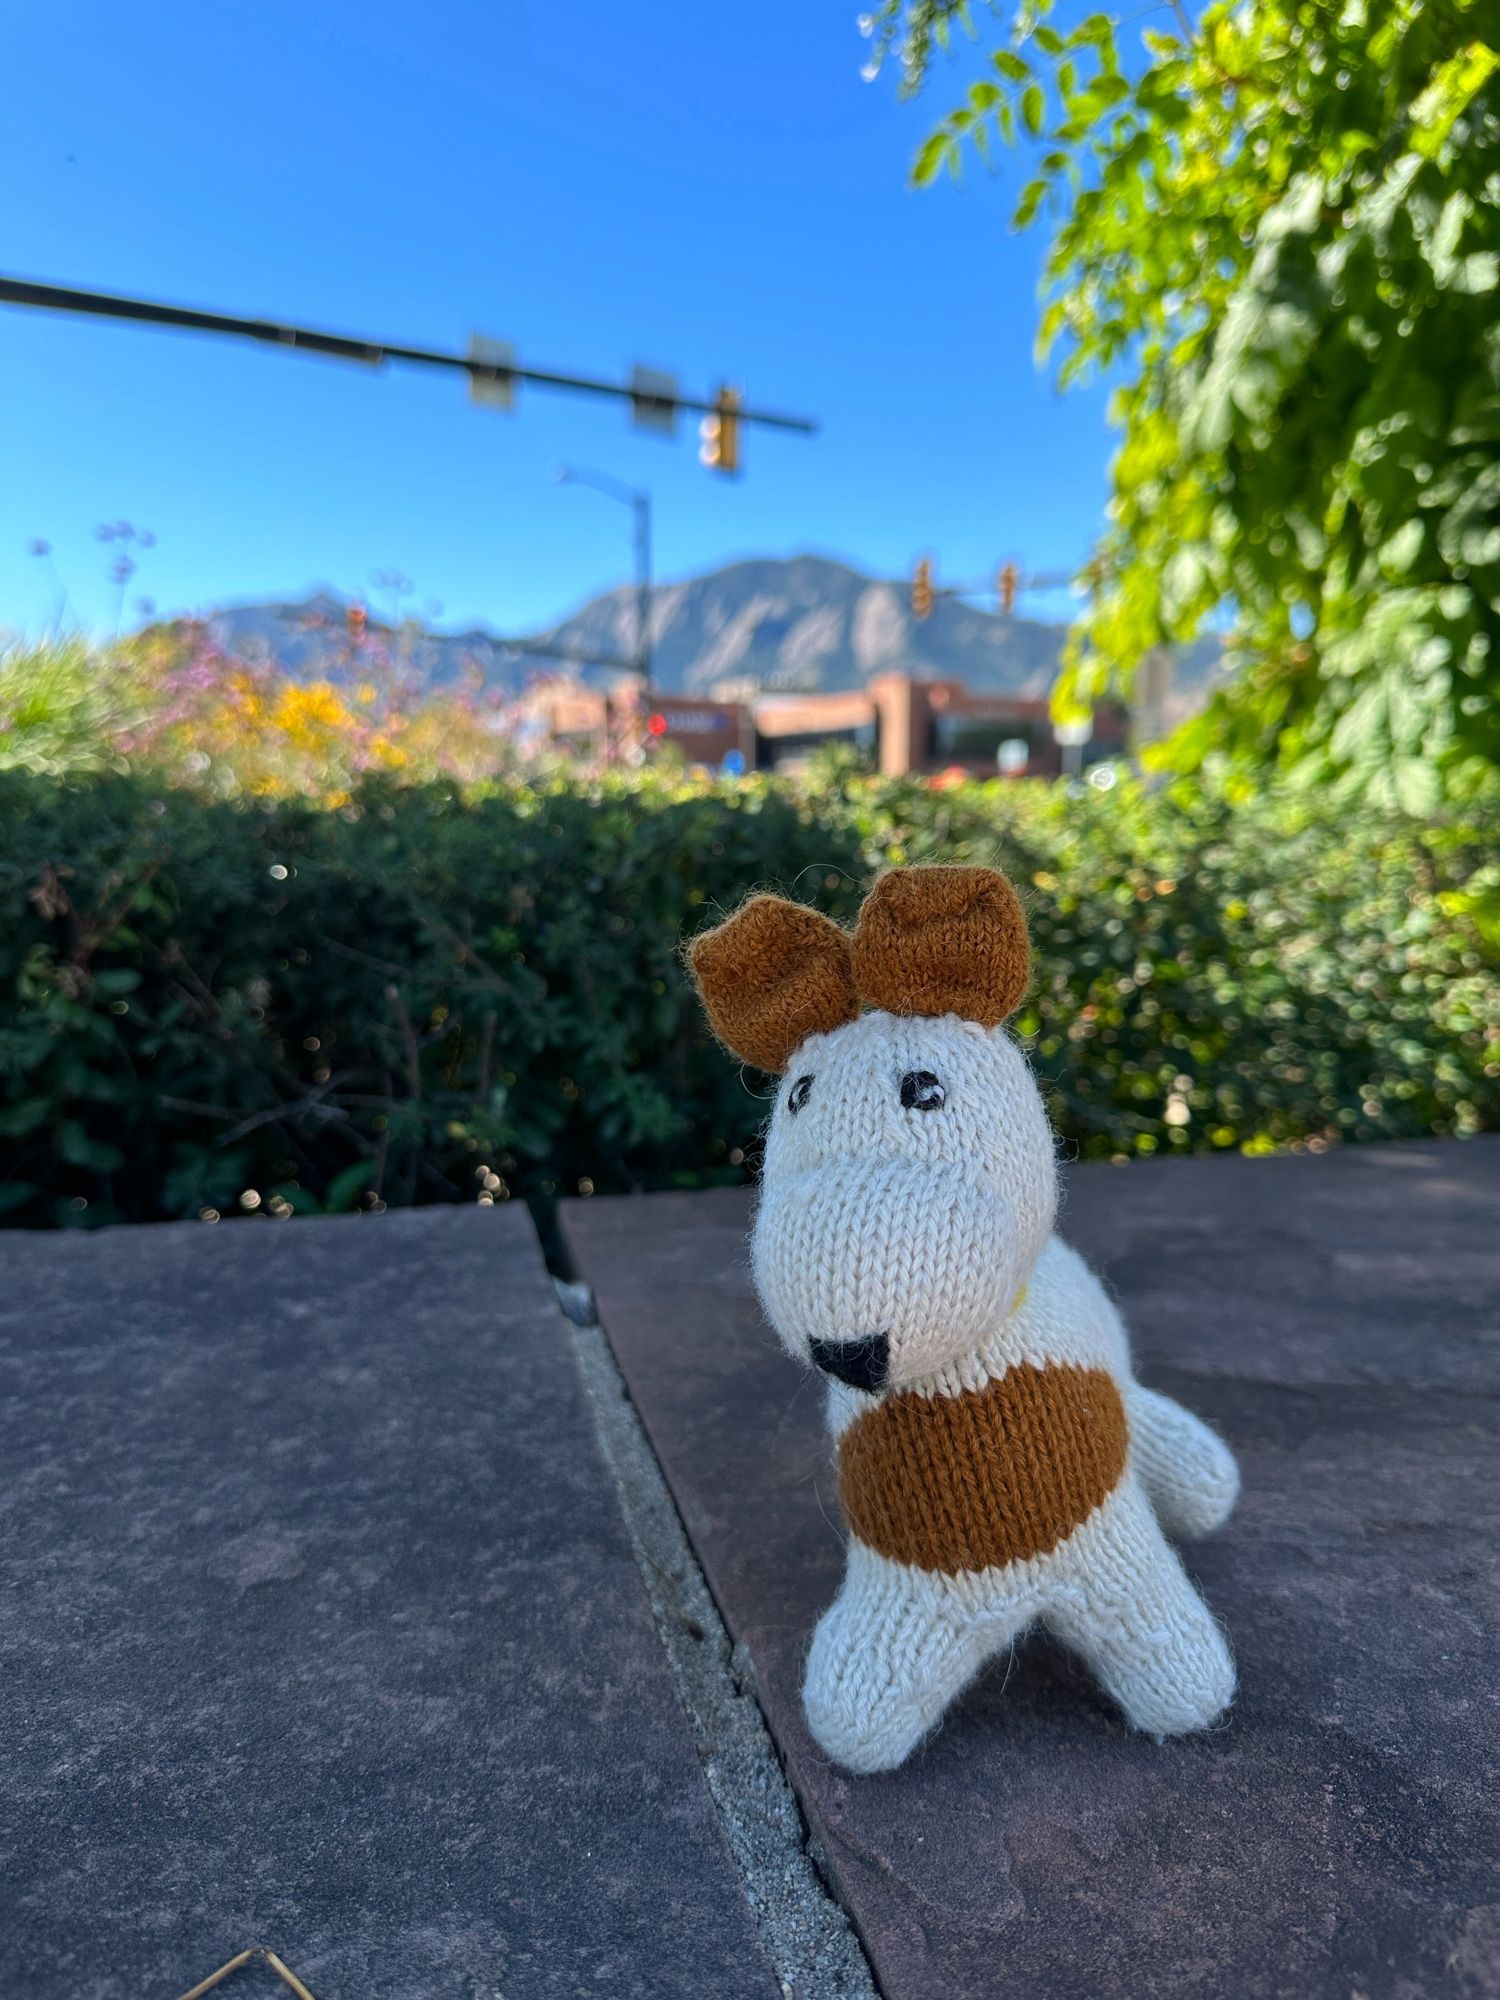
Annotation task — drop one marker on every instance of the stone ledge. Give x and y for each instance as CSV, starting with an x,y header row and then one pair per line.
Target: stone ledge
x,y
321,1630
1339,1318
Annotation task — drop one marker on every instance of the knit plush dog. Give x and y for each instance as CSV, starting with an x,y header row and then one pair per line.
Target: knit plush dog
x,y
997,1463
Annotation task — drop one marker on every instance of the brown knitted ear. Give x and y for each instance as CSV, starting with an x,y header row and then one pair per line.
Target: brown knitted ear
x,y
942,941
774,974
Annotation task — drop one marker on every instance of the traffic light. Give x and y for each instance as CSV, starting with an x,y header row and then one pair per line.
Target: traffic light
x,y
921,589
720,432
1007,583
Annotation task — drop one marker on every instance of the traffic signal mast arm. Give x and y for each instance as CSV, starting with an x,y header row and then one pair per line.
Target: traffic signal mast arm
x,y
727,407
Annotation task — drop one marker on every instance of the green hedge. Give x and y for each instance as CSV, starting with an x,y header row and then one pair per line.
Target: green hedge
x,y
428,998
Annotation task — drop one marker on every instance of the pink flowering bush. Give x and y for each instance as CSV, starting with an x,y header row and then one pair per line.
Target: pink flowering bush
x,y
174,702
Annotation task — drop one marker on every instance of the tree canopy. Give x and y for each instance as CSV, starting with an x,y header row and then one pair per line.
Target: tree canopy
x,y
1277,229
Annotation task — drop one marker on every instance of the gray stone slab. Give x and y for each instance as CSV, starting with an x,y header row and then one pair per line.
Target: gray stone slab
x,y
1339,1319
320,1629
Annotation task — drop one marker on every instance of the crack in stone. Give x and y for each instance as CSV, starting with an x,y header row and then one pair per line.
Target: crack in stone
x,y
809,1940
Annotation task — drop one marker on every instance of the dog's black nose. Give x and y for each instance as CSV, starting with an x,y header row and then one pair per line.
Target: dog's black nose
x,y
860,1363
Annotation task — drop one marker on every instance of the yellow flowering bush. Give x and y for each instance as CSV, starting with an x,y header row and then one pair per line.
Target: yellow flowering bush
x,y
173,702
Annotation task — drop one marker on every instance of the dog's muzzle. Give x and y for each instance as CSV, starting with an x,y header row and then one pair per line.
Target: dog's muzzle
x,y
863,1364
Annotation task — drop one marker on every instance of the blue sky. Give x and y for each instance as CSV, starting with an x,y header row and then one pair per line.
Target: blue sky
x,y
709,190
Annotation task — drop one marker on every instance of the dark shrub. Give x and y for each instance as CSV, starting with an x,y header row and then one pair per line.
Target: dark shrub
x,y
424,997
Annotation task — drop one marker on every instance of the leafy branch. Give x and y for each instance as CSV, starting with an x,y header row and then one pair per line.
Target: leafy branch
x,y
1279,231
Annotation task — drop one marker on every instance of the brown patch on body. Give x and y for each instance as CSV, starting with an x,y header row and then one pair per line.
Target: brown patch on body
x,y
990,1476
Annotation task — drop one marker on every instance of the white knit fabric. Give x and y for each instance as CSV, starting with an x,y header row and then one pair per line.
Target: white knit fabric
x,y
920,1224
934,1227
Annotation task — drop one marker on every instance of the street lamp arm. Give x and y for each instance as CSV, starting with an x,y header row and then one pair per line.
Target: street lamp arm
x,y
638,500
572,475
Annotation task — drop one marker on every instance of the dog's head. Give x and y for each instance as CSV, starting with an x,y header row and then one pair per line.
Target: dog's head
x,y
909,1181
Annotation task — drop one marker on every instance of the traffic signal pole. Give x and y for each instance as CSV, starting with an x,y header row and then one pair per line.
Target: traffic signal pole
x,y
638,500
642,505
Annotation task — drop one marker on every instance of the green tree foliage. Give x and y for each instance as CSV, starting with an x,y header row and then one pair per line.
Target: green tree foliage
x,y
1279,231
429,995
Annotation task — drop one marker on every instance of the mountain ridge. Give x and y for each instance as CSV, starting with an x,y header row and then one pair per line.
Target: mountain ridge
x,y
803,623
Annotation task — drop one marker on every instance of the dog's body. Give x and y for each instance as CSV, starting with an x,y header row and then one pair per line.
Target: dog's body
x,y
998,1464
1071,1471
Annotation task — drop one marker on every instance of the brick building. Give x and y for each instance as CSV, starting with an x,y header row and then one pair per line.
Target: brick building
x,y
902,725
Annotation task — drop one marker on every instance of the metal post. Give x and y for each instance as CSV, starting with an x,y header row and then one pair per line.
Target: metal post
x,y
1072,738
641,501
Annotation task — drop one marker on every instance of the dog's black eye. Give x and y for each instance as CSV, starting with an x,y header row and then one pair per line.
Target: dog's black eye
x,y
798,1095
921,1091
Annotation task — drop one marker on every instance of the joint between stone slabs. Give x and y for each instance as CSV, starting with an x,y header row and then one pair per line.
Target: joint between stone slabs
x,y
742,1668
807,1937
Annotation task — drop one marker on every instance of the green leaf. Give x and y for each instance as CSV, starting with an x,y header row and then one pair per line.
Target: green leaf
x,y
345,1188
1418,786
25,1116
1477,273
1106,91
1028,203
1097,29
1033,108
1455,84
80,1150
929,160
298,1198
1400,550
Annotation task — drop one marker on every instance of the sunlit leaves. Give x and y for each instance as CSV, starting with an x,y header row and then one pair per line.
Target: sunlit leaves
x,y
1284,230
1455,85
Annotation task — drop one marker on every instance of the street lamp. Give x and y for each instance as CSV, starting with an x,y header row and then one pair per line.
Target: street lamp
x,y
639,502
1071,738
